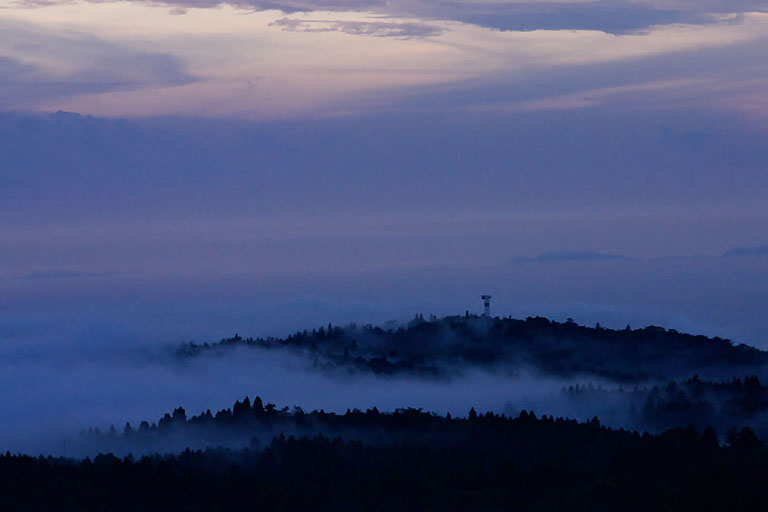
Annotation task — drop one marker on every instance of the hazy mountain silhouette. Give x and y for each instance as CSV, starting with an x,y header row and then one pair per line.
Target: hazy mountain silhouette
x,y
440,347
563,256
747,251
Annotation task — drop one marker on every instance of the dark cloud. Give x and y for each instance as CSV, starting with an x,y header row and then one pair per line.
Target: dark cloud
x,y
612,16
360,28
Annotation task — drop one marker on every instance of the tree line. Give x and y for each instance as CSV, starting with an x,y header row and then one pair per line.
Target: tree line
x,y
479,462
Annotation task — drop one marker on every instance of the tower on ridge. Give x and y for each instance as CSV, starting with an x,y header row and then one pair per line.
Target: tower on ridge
x,y
486,305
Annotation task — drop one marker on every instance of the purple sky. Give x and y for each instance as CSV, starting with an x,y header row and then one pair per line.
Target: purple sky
x,y
372,158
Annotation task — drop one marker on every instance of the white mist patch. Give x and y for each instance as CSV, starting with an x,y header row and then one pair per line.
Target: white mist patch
x,y
46,401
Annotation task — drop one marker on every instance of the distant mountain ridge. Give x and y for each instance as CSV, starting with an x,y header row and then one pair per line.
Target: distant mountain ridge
x,y
564,256
584,256
761,250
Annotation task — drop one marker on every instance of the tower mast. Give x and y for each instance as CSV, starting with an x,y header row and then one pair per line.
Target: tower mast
x,y
486,305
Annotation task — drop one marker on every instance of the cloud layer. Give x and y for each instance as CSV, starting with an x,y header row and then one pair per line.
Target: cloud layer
x,y
40,65
613,16
139,59
359,28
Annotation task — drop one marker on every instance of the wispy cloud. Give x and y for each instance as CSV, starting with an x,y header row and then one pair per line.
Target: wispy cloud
x,y
40,64
270,65
402,30
612,16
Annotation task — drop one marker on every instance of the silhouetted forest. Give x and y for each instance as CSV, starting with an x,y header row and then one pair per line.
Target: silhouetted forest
x,y
722,405
481,462
437,347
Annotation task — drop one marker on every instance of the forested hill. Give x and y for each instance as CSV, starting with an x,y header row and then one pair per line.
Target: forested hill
x,y
724,406
437,347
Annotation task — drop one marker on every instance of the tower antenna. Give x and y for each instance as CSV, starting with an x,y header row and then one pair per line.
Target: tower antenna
x,y
486,305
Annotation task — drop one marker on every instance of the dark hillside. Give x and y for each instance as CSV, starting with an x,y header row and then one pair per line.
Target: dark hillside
x,y
483,462
438,347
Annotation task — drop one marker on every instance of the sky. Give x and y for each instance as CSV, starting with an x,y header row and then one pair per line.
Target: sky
x,y
176,171
267,60
292,141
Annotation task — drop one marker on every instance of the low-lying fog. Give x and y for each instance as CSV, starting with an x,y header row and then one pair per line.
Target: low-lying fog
x,y
47,399
81,350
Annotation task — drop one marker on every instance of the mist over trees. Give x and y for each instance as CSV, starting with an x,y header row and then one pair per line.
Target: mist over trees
x,y
719,407
483,461
666,430
440,347
695,402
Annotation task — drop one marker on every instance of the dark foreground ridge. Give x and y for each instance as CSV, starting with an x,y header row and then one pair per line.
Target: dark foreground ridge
x,y
438,347
430,462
